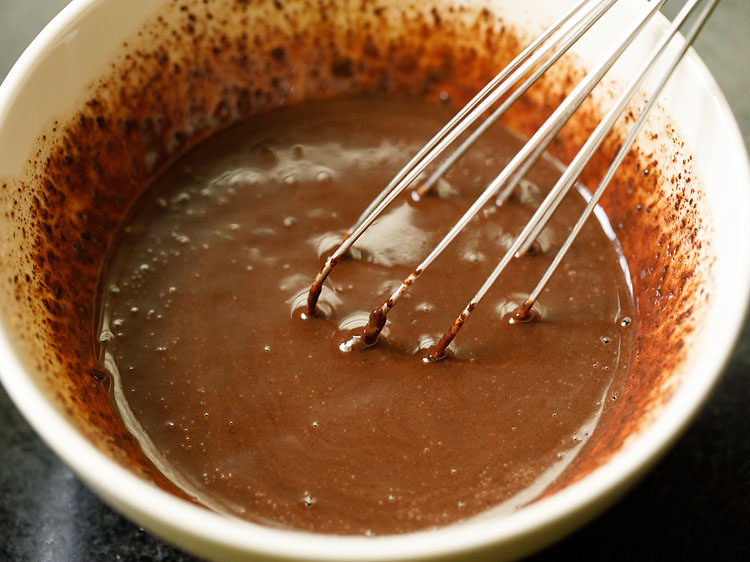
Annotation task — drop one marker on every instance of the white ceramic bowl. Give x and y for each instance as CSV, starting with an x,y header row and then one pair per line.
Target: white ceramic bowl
x,y
76,47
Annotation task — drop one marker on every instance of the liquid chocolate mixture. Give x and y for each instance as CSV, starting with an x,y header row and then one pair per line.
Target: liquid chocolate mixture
x,y
259,413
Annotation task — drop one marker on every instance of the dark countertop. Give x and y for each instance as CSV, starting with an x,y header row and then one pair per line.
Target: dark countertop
x,y
694,505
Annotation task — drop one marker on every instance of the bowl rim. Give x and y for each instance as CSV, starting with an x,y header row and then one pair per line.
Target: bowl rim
x,y
166,514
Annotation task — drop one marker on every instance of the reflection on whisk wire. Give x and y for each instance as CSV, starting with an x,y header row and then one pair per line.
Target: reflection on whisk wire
x,y
525,70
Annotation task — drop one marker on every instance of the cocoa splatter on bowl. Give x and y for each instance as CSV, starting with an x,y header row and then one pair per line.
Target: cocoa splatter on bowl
x,y
137,84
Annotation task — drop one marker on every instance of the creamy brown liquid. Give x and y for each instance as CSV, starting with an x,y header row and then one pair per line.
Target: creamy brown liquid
x,y
267,416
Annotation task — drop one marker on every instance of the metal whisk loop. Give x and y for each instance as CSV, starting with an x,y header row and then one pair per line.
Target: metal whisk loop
x,y
544,212
471,112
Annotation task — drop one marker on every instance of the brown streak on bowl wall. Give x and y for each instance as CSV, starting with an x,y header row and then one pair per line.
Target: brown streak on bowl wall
x,y
198,67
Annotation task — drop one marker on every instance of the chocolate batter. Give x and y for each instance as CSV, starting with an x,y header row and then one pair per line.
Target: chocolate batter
x,y
262,413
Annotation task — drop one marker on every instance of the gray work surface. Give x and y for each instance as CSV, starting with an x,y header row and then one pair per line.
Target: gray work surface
x,y
694,505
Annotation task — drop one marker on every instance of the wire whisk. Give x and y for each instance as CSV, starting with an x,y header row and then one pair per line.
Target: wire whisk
x,y
505,89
